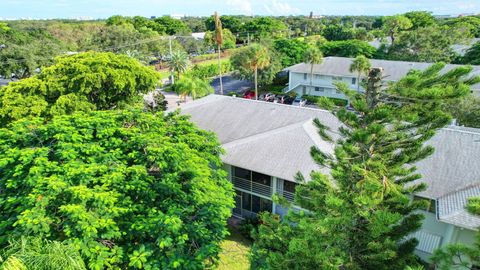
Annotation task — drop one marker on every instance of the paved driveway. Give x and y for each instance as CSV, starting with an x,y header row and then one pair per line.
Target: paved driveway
x,y
231,84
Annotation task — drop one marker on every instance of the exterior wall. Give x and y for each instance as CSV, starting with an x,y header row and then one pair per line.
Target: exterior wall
x,y
298,80
432,235
433,229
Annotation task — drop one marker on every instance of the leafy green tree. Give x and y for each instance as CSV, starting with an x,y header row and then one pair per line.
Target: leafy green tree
x,y
420,18
172,26
466,111
35,253
179,62
359,216
233,23
81,82
193,87
130,189
229,40
473,23
338,32
362,66
428,44
261,27
472,56
393,25
312,56
348,48
291,51
250,60
23,53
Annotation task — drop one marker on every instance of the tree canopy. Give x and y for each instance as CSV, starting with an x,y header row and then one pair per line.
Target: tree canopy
x,y
348,48
290,50
81,82
128,188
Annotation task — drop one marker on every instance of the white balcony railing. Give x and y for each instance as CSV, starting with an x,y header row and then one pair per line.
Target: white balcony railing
x,y
251,186
287,195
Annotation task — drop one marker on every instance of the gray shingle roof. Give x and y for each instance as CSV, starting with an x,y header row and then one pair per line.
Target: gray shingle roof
x,y
454,165
392,70
451,208
269,138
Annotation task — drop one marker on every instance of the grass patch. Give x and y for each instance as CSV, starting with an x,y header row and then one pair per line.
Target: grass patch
x,y
235,250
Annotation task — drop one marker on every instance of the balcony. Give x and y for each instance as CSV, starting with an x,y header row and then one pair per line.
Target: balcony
x,y
252,187
287,195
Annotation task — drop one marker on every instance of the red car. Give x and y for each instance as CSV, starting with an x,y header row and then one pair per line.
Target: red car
x,y
249,95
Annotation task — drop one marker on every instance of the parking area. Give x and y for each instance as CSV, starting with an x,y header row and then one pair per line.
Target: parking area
x,y
230,84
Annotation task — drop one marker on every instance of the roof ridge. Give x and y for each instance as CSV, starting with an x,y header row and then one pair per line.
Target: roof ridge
x,y
286,127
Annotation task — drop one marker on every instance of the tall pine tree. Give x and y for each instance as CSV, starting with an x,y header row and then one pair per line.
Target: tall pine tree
x,y
360,216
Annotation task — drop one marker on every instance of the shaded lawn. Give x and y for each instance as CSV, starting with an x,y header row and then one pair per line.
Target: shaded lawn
x,y
235,250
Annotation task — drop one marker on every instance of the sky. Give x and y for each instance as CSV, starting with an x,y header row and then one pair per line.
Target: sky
x,y
48,9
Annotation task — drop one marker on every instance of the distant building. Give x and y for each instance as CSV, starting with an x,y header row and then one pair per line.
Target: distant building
x,y
337,69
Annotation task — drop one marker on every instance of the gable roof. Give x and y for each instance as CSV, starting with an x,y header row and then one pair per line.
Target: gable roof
x,y
269,138
392,70
455,163
275,139
451,208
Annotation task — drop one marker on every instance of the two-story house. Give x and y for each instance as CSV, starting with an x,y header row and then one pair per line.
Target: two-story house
x,y
266,144
337,69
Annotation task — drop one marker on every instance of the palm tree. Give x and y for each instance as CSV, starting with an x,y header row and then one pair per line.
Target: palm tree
x,y
36,253
193,87
219,41
313,56
361,65
257,57
178,62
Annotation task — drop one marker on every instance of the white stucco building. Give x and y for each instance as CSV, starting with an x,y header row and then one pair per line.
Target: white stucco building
x,y
267,144
334,69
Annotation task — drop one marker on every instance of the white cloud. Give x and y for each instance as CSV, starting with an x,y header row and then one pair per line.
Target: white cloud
x,y
243,6
276,7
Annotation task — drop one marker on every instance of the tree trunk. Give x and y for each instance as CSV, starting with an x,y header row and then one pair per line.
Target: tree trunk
x,y
220,70
256,83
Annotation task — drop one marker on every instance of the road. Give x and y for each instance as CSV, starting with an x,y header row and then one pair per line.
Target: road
x,y
231,84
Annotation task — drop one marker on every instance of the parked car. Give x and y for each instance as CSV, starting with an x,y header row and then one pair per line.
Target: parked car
x,y
269,97
249,94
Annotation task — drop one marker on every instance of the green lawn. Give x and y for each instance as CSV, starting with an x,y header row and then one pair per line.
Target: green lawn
x,y
235,250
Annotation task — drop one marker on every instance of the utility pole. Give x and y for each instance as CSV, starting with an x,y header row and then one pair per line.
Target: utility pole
x,y
248,38
172,77
219,41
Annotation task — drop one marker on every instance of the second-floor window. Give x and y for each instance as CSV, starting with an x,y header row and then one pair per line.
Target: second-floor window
x,y
354,81
304,76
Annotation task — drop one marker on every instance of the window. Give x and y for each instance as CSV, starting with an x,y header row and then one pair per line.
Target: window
x,y
317,89
338,91
289,186
247,201
336,78
241,173
261,178
304,76
354,81
253,203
